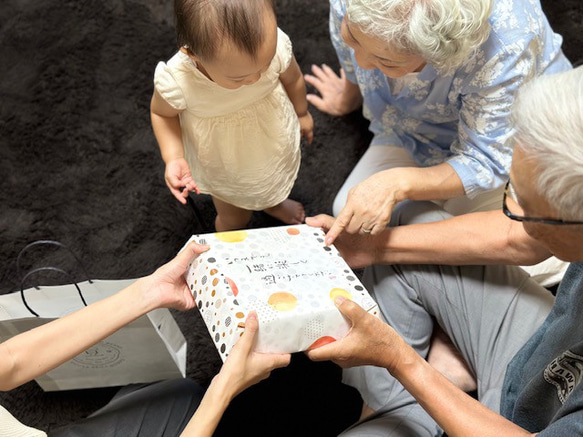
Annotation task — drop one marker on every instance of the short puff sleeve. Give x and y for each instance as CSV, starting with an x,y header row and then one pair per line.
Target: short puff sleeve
x,y
283,53
168,87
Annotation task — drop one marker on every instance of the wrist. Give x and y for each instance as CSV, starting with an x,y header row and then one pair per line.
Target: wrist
x,y
221,391
380,246
170,158
145,291
351,99
438,182
403,183
401,359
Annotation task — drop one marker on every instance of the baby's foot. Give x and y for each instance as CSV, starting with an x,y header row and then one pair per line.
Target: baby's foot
x,y
289,211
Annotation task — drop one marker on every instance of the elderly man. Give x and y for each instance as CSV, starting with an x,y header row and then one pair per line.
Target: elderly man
x,y
524,347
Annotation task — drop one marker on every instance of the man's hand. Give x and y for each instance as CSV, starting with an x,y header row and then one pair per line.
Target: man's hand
x,y
338,96
179,180
369,342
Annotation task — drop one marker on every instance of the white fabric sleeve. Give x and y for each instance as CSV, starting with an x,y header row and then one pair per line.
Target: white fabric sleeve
x,y
168,87
284,53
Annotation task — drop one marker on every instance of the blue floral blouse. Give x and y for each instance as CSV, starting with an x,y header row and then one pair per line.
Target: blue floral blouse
x,y
461,118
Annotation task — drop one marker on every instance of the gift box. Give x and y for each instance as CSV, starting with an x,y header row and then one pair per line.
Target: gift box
x,y
287,275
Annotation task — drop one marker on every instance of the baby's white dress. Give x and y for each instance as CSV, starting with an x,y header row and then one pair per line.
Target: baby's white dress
x,y
242,145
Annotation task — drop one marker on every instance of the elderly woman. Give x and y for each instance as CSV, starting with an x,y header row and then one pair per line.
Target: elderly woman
x,y
437,80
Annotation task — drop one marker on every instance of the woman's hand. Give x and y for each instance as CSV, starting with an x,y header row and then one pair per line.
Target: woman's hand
x,y
338,96
244,367
369,205
166,287
179,180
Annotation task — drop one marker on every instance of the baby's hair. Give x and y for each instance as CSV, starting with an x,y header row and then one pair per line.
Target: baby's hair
x,y
203,25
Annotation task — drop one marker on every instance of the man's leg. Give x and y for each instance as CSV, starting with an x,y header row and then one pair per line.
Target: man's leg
x,y
160,409
488,312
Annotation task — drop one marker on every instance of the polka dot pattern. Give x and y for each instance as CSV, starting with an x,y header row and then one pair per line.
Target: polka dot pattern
x,y
283,301
286,274
340,292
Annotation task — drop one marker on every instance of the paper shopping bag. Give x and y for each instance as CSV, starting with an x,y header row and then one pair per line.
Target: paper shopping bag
x,y
148,349
287,275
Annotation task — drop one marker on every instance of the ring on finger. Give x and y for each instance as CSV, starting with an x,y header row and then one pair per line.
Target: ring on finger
x,y
366,231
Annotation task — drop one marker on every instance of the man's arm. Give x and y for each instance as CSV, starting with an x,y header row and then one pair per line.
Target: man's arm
x,y
471,239
481,238
373,342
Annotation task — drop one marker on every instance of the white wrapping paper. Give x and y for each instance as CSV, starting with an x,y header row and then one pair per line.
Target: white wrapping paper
x,y
287,275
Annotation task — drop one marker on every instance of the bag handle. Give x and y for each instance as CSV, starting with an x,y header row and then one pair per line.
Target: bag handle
x,y
50,243
40,269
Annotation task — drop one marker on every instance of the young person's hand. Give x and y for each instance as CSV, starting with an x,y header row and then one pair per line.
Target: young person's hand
x,y
179,180
166,287
338,96
244,367
307,127
358,250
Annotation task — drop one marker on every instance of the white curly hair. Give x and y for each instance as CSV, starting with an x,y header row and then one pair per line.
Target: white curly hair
x,y
443,32
548,120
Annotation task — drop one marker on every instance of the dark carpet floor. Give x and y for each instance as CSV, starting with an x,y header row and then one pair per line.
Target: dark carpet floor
x,y
79,164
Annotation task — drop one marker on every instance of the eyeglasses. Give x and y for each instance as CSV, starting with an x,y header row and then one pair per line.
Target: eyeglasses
x,y
520,218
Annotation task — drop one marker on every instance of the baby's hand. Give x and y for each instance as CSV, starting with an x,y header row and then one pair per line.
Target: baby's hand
x,y
307,127
179,179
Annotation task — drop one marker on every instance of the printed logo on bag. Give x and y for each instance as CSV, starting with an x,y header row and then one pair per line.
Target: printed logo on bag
x,y
100,356
565,372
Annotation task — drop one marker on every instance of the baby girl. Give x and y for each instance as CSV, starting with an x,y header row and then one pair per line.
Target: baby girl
x,y
228,111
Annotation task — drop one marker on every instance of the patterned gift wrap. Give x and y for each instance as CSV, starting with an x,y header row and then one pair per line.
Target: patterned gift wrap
x,y
287,275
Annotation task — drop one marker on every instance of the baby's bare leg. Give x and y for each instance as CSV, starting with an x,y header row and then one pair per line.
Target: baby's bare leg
x,y
289,211
230,217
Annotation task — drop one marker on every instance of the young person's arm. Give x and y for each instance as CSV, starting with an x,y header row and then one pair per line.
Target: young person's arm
x,y
372,342
35,352
166,126
295,87
242,369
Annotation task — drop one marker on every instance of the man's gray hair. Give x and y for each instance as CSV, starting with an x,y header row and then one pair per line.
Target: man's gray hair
x,y
548,118
443,32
